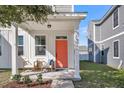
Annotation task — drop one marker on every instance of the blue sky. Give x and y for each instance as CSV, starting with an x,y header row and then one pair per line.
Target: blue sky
x,y
95,12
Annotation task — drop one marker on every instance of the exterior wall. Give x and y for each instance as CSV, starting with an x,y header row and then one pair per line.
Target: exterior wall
x,y
91,52
29,46
107,27
29,42
107,36
108,57
91,41
90,33
107,32
97,53
5,58
97,33
64,8
50,45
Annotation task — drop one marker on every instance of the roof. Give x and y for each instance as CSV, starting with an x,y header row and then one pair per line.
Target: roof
x,y
68,15
108,13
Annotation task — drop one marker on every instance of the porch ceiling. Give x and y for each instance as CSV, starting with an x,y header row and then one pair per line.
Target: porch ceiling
x,y
62,21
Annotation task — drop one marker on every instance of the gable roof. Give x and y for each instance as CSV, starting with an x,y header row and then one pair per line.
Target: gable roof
x,y
109,12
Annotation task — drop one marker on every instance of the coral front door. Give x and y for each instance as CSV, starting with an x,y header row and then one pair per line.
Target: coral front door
x,y
61,54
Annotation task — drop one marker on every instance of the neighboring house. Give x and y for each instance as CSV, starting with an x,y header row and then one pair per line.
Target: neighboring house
x,y
83,53
106,38
55,40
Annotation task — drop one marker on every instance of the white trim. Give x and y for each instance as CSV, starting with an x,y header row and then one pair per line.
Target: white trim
x,y
72,8
111,37
118,49
113,20
94,41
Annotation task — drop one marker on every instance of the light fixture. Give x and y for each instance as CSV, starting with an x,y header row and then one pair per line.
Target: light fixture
x,y
48,25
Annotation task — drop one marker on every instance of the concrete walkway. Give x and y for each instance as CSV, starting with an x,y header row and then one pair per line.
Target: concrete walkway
x,y
61,79
62,84
64,74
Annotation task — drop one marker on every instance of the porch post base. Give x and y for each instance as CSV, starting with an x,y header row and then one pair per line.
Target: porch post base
x,y
77,78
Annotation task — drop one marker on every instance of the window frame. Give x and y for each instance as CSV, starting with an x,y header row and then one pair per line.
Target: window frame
x,y
21,45
114,57
113,19
40,45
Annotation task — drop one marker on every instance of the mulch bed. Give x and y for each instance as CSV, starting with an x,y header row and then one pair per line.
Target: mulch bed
x,y
14,84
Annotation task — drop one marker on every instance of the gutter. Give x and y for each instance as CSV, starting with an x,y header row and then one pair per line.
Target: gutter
x,y
110,11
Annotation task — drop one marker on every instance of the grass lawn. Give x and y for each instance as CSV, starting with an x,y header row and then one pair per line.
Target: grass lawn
x,y
4,77
99,76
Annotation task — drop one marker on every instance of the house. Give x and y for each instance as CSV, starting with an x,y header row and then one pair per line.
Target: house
x,y
106,38
83,53
56,40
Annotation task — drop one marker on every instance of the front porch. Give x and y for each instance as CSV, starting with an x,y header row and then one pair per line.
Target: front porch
x,y
40,41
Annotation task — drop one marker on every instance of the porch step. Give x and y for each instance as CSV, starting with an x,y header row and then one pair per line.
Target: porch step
x,y
62,84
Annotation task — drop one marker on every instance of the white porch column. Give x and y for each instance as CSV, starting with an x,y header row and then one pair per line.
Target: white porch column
x,y
77,66
77,63
14,50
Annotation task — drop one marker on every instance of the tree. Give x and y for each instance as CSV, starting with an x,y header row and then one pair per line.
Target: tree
x,y
17,14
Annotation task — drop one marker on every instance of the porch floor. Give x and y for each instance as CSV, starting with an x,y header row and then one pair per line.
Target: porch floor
x,y
63,74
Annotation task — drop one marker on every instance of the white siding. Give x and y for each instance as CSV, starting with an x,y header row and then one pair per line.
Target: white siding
x,y
29,46
64,8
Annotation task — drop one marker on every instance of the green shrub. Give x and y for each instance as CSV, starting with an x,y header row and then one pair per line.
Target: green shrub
x,y
39,78
16,77
26,80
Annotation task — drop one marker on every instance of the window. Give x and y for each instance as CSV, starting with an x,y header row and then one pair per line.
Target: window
x,y
115,18
61,37
0,45
40,45
20,46
116,49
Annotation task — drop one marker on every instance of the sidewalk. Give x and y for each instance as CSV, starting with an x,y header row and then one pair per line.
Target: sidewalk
x,y
62,84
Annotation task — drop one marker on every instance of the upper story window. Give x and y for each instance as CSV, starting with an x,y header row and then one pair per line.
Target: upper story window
x,y
0,45
40,45
115,19
20,45
116,48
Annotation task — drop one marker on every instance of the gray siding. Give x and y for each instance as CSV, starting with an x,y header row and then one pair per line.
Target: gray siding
x,y
109,59
90,31
90,42
107,27
105,32
97,33
97,53
91,53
